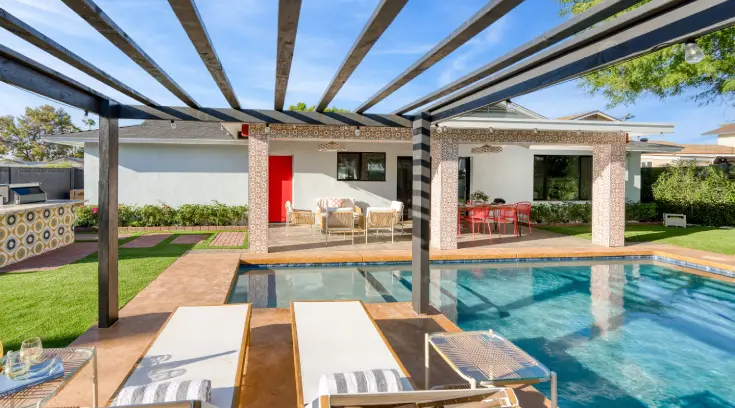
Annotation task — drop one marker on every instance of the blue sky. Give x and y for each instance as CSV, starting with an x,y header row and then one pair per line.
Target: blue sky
x,y
244,34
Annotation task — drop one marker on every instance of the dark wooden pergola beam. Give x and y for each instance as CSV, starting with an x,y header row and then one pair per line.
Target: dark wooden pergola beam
x,y
681,24
25,73
581,40
262,116
381,19
489,14
33,36
288,23
190,19
101,22
572,26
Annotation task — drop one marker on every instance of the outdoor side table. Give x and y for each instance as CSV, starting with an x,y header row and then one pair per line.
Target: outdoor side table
x,y
486,359
74,359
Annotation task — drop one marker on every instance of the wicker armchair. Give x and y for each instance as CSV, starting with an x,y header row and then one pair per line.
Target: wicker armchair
x,y
298,217
340,221
383,219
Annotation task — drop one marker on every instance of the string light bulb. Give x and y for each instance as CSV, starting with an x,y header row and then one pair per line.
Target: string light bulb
x,y
173,125
692,53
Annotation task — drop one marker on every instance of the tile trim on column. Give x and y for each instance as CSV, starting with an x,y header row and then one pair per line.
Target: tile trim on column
x,y
444,181
608,194
258,193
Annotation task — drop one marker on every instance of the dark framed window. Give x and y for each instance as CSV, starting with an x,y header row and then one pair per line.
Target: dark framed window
x,y
368,166
562,178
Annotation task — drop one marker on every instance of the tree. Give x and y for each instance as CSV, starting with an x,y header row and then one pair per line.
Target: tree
x,y
22,137
88,122
301,106
665,73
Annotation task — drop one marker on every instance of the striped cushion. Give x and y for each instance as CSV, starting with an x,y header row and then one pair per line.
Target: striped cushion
x,y
360,382
165,392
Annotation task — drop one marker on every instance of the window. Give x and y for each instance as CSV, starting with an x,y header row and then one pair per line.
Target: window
x,y
360,166
562,178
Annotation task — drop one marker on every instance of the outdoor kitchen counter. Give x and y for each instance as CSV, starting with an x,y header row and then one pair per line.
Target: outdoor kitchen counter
x,y
27,230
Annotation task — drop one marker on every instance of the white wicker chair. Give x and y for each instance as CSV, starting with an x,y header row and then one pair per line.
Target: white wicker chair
x,y
383,219
298,217
340,221
400,222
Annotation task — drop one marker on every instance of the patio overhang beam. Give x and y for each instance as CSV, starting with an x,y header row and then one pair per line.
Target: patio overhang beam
x,y
488,15
33,36
288,23
25,73
532,125
598,33
182,113
189,17
101,22
571,27
681,24
381,19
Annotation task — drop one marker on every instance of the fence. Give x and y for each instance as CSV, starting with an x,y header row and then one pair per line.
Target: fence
x,y
55,181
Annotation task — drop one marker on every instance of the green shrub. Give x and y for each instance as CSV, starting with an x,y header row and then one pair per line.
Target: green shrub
x,y
571,212
635,211
216,214
706,195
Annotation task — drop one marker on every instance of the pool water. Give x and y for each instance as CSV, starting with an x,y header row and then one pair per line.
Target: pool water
x,y
617,334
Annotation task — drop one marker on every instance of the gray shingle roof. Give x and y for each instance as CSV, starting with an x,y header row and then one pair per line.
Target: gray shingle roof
x,y
160,129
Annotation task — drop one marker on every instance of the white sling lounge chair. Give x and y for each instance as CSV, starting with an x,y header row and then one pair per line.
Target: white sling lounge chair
x,y
198,343
339,337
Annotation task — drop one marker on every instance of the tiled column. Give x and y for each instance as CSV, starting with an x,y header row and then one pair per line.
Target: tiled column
x,y
608,194
607,287
258,193
444,179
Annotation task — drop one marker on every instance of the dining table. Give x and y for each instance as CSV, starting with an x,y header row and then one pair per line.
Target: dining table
x,y
467,208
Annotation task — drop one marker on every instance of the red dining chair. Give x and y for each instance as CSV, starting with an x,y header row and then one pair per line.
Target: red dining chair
x,y
524,214
507,215
480,216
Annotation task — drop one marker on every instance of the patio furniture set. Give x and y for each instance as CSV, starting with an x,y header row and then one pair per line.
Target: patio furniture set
x,y
343,216
341,359
479,214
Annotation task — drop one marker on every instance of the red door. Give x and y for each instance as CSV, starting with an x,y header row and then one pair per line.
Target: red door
x,y
280,186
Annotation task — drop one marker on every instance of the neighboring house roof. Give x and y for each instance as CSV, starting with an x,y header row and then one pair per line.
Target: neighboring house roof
x,y
697,149
154,129
75,162
591,115
722,130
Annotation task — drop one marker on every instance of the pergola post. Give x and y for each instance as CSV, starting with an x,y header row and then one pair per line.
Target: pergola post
x,y
108,216
421,214
258,193
444,185
608,194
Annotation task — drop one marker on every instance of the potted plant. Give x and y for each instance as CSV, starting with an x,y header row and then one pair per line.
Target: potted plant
x,y
479,195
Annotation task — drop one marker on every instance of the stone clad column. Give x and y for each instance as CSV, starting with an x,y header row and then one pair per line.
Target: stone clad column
x,y
608,194
258,192
444,184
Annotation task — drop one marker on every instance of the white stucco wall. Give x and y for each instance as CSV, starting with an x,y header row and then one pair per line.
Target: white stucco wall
x,y
199,174
173,174
633,177
726,140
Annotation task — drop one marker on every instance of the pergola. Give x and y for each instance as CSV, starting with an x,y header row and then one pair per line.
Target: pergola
x,y
582,44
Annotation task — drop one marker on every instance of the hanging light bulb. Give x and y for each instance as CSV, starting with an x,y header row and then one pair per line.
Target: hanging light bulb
x,y
692,53
267,128
357,131
509,106
173,125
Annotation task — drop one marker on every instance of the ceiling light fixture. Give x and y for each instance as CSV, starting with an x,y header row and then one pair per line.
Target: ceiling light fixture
x,y
173,125
692,53
357,131
267,128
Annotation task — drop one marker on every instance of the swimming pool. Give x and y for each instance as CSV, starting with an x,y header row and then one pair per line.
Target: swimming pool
x,y
619,334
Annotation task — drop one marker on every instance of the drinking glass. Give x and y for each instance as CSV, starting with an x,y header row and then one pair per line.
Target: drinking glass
x,y
16,366
31,350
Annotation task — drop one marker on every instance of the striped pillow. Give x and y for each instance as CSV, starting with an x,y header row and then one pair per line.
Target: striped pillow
x,y
165,392
368,381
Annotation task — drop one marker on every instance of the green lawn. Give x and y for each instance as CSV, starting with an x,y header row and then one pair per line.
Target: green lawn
x,y
704,238
60,305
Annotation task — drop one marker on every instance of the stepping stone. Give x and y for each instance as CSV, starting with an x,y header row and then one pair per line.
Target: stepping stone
x,y
228,239
188,239
54,259
146,241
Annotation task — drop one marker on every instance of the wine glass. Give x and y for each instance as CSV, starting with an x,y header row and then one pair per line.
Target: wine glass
x,y
31,350
16,365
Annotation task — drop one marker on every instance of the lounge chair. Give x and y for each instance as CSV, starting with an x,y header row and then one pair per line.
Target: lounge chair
x,y
380,219
340,337
298,217
340,221
197,343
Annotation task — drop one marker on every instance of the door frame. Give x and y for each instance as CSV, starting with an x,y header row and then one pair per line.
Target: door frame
x,y
293,181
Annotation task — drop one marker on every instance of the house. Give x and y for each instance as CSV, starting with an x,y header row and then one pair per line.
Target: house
x,y
532,159
60,162
700,154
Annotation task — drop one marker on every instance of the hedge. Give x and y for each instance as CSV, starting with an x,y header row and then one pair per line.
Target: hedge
x,y
570,212
162,215
706,195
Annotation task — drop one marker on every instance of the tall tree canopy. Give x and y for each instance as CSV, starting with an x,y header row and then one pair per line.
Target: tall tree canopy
x,y
301,106
21,137
664,73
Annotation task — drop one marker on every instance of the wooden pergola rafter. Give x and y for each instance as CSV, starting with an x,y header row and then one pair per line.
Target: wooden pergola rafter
x,y
578,46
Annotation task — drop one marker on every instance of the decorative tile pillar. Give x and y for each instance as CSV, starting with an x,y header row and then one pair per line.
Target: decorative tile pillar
x,y
608,194
444,185
607,287
258,192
